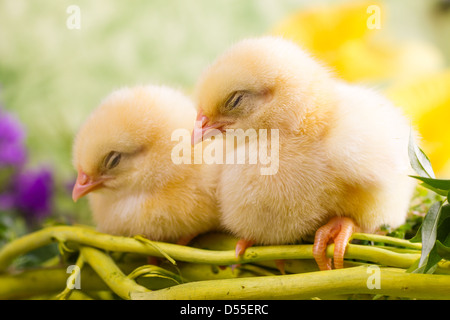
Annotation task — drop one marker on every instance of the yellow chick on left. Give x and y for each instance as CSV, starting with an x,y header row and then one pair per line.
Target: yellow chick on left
x,y
123,155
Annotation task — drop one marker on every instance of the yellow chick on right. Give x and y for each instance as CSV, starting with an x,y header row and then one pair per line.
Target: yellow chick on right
x,y
342,149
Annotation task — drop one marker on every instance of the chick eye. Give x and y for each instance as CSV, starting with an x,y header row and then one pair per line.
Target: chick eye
x,y
112,160
235,99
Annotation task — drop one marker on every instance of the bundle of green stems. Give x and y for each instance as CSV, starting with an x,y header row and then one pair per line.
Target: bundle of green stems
x,y
111,267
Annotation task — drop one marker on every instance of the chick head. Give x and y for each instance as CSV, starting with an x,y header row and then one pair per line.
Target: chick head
x,y
125,145
259,83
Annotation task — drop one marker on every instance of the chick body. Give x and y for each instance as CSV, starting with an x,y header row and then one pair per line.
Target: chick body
x,y
342,148
147,193
354,169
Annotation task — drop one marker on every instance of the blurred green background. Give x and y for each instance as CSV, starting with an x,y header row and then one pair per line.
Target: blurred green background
x,y
52,77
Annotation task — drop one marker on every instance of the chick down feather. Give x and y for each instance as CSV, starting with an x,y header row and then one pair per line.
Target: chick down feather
x,y
123,154
342,148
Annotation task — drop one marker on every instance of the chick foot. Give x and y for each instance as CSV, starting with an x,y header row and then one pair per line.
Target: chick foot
x,y
184,241
242,245
339,231
154,261
280,266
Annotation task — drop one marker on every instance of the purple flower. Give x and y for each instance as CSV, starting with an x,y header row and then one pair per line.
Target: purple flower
x,y
12,148
7,201
33,192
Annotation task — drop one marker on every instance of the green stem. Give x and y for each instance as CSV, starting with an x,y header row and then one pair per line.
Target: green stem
x,y
393,282
78,295
302,266
398,250
35,282
200,272
377,255
110,273
65,294
48,281
155,271
443,267
388,240
258,271
85,236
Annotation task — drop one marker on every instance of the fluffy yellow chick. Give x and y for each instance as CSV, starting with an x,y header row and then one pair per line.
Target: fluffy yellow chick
x,y
343,156
123,155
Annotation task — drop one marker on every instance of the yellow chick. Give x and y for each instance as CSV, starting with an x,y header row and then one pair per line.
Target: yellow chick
x,y
123,155
342,149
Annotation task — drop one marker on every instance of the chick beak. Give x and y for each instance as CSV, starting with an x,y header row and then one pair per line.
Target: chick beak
x,y
203,128
84,185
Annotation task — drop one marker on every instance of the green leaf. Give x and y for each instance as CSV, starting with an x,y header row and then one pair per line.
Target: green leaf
x,y
419,160
441,184
429,230
443,236
441,224
429,266
438,191
445,214
418,236
432,261
443,231
443,250
414,267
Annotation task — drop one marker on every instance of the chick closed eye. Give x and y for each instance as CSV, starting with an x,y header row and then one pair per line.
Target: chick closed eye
x,y
335,149
123,158
243,102
112,160
234,100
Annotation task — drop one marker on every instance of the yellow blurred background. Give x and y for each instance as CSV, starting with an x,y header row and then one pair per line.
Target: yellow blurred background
x,y
369,42
52,76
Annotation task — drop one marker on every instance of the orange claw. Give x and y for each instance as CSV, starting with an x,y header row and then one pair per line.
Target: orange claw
x,y
242,245
152,261
339,230
280,266
184,241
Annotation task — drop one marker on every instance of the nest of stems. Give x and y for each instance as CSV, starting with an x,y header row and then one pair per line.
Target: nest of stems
x,y
110,267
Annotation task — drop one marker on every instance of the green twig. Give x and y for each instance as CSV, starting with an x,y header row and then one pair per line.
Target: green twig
x,y
157,272
46,282
387,240
203,264
106,242
110,273
65,294
393,282
43,281
154,245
